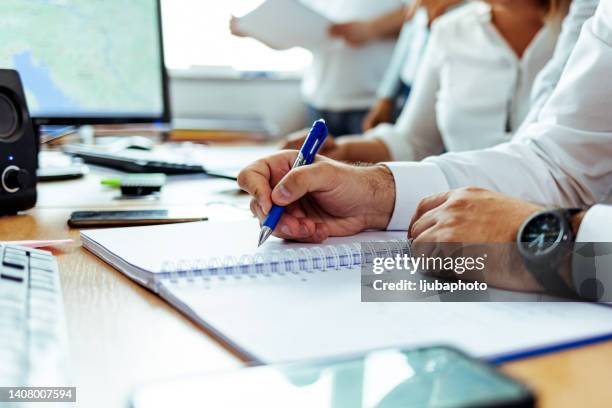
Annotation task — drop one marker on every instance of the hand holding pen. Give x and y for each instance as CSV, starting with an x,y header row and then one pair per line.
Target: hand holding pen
x,y
326,198
305,156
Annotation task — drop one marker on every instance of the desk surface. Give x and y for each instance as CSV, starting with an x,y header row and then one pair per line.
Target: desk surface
x,y
121,335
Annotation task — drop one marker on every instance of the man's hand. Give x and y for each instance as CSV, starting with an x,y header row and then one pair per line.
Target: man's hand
x,y
473,222
469,215
324,199
296,139
381,112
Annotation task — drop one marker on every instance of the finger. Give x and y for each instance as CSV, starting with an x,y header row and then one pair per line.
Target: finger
x,y
321,234
427,204
297,211
424,223
298,182
289,227
427,237
291,144
255,180
307,225
257,211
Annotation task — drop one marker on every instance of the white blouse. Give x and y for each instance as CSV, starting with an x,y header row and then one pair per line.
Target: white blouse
x,y
342,77
471,92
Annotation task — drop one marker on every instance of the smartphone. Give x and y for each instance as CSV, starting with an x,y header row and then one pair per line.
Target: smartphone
x,y
85,219
393,378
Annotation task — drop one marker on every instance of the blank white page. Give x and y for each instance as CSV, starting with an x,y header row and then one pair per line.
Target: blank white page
x,y
281,318
285,24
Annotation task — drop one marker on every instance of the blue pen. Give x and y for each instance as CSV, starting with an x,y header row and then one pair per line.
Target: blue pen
x,y
306,156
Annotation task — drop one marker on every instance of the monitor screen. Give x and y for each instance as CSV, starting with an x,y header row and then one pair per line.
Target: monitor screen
x,y
86,61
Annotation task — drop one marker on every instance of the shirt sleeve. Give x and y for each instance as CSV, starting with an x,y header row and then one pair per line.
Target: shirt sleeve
x,y
565,158
426,178
545,83
415,135
596,226
593,260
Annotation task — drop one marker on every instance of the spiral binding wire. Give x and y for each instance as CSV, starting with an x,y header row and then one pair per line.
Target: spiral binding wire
x,y
290,261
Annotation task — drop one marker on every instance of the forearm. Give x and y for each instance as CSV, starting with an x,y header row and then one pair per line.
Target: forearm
x,y
356,149
388,25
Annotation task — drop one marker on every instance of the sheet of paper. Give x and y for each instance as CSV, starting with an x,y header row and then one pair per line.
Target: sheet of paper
x,y
319,315
153,247
279,317
283,24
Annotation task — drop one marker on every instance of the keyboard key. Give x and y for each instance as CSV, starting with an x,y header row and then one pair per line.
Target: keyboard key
x,y
39,278
43,256
11,277
14,252
32,327
14,262
41,264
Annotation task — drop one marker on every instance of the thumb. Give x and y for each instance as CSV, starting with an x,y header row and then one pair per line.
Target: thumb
x,y
303,180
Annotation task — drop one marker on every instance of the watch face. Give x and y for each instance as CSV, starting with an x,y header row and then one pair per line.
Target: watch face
x,y
542,234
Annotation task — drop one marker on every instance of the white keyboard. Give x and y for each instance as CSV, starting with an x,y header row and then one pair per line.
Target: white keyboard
x,y
33,337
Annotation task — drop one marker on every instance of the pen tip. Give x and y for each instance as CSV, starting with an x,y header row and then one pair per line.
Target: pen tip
x,y
264,235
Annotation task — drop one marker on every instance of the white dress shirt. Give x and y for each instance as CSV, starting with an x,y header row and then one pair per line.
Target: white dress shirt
x,y
565,159
471,91
342,77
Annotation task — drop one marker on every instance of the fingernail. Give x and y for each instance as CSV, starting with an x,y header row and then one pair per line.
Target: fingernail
x,y
262,207
283,192
285,230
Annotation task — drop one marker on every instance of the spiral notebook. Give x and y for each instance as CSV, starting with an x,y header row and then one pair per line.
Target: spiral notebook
x,y
287,301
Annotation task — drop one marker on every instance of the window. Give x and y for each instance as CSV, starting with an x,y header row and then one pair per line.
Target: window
x,y
196,34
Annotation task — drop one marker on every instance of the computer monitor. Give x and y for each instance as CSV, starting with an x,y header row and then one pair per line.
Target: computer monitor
x,y
87,61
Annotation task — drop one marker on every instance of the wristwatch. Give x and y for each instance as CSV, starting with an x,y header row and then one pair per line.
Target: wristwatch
x,y
545,242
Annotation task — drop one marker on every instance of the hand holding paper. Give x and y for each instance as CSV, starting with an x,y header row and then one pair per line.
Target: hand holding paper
x,y
283,24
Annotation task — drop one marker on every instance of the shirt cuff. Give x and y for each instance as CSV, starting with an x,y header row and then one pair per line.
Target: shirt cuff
x,y
596,226
413,181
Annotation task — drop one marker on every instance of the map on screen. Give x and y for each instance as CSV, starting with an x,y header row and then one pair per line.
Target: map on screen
x,y
85,58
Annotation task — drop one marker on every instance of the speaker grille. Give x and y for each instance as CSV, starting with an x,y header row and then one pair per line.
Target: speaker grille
x,y
9,118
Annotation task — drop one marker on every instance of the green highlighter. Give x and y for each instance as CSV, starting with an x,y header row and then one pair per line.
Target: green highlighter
x,y
137,184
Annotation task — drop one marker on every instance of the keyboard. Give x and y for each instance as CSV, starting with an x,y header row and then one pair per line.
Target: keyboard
x,y
33,336
132,161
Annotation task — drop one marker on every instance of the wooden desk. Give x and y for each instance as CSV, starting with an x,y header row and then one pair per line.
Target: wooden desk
x,y
122,335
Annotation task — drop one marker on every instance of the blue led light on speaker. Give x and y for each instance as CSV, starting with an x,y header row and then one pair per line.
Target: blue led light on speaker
x,y
10,158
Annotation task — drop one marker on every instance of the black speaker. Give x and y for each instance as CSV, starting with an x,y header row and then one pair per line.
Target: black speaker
x,y
18,147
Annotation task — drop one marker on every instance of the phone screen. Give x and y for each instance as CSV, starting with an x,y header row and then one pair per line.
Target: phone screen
x,y
427,377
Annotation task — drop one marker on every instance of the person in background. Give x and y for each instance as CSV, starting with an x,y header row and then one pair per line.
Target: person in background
x,y
394,88
340,84
564,159
473,88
